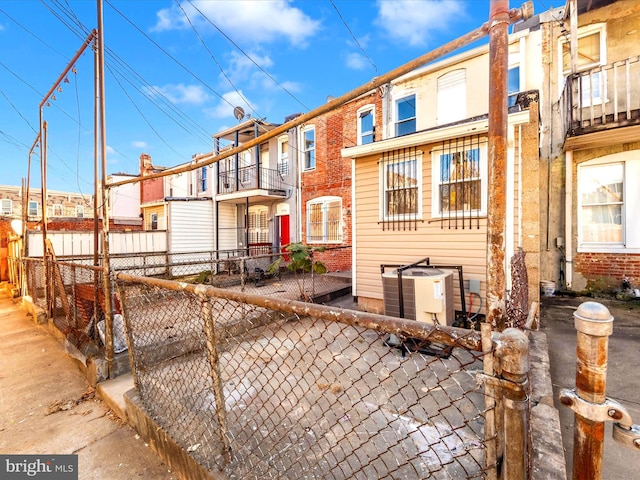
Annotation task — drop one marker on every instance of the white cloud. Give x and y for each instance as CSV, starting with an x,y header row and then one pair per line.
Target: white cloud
x,y
357,61
412,21
224,108
181,93
111,150
243,20
241,68
139,144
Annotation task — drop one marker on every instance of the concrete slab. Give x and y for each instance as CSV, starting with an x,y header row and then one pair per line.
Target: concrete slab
x,y
47,406
112,392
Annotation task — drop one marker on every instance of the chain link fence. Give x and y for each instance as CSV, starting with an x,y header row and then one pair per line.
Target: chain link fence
x,y
262,387
35,280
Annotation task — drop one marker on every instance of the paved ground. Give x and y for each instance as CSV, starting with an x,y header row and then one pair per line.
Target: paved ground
x,y
623,382
47,407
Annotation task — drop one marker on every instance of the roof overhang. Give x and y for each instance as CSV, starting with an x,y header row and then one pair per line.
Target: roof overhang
x,y
429,136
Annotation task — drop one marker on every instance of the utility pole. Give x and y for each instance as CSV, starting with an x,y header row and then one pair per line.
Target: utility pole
x,y
106,271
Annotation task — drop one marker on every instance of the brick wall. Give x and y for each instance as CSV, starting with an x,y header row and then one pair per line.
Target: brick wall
x,y
86,225
332,175
604,272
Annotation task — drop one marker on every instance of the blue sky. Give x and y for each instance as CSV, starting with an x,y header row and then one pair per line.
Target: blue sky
x,y
175,70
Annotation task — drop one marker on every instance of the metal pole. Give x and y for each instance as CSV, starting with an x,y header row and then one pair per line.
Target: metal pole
x,y
25,200
497,165
512,347
594,324
43,201
491,431
514,15
108,310
216,376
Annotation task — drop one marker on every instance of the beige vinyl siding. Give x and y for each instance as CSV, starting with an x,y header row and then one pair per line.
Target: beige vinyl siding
x,y
443,246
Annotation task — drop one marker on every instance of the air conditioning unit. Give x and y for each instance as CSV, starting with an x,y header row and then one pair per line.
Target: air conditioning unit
x,y
427,295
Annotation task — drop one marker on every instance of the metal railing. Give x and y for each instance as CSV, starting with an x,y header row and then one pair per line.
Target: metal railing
x,y
249,178
602,97
261,387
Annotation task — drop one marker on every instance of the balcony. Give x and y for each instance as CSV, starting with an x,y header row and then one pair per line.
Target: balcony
x,y
598,102
269,181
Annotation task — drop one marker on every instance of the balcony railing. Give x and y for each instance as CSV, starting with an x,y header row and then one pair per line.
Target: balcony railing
x,y
247,179
604,97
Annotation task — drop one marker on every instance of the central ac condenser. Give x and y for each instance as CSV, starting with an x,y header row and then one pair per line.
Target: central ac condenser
x,y
427,295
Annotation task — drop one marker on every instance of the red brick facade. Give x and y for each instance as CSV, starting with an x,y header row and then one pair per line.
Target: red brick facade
x,y
332,174
604,272
86,225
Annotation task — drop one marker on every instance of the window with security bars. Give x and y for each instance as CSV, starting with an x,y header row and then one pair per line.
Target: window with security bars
x,y
460,181
324,220
401,184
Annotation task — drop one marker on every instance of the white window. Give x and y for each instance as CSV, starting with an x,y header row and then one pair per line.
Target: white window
x,y
401,185
153,221
608,204
309,148
202,179
57,210
366,125
591,53
460,178
6,206
324,220
452,96
258,224
513,85
405,115
283,156
33,208
79,211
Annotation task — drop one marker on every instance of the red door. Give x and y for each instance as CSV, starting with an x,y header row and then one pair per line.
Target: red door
x,y
285,237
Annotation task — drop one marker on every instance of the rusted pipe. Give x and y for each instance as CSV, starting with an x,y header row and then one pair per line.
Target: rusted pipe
x,y
513,16
594,325
512,347
468,339
500,17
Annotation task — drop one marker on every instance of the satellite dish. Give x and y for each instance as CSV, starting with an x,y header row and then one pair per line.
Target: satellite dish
x,y
238,112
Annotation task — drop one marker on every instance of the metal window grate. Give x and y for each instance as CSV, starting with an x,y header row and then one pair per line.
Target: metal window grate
x,y
460,165
401,179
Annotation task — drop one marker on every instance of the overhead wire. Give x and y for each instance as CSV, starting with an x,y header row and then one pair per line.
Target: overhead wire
x,y
357,42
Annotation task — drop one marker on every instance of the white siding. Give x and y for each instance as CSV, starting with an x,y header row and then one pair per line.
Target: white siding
x,y
191,227
227,232
81,243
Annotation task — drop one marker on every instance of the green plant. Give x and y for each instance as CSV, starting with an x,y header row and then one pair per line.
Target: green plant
x,y
299,260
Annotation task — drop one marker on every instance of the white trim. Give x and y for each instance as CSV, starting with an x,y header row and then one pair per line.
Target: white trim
x,y
366,108
324,201
395,97
630,240
435,180
303,150
382,212
430,136
354,257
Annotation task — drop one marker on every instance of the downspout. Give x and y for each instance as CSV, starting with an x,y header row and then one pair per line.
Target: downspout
x,y
354,285
568,225
236,142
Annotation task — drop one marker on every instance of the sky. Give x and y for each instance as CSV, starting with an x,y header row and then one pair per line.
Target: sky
x,y
175,70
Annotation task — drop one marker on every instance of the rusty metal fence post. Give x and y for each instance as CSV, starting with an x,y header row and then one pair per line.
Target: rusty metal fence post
x,y
216,377
513,350
594,325
505,378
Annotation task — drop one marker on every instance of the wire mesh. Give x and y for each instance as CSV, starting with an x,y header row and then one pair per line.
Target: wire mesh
x,y
518,301
260,392
78,304
35,280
